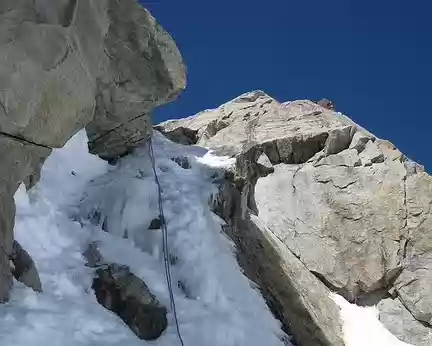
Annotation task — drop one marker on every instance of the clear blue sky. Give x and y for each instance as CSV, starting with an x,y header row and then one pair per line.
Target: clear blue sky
x,y
373,59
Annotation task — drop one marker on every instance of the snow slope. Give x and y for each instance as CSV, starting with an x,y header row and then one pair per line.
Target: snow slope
x,y
361,325
78,195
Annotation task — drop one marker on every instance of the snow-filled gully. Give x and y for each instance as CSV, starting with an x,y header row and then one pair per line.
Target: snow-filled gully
x,y
80,199
216,304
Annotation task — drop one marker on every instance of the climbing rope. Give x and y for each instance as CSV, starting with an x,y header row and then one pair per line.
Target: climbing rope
x,y
165,239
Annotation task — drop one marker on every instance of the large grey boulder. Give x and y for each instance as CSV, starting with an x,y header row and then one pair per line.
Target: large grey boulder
x,y
68,64
137,67
350,207
123,293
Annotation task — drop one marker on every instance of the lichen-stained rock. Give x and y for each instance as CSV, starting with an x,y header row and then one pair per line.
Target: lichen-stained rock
x,y
120,291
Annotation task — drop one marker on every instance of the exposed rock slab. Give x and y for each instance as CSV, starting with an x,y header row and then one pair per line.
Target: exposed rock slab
x,y
400,322
120,291
294,295
343,222
353,209
414,284
346,158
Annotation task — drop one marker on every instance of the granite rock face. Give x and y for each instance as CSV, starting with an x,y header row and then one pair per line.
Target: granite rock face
x,y
69,64
350,207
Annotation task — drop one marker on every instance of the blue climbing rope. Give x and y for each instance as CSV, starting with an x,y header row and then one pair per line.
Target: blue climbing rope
x,y
165,239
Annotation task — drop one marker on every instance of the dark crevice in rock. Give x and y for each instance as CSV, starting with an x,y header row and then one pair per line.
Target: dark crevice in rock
x,y
408,283
293,178
302,148
23,140
312,114
272,152
405,238
405,247
342,291
342,187
69,13
405,201
362,295
3,107
372,298
294,150
114,129
364,292
181,135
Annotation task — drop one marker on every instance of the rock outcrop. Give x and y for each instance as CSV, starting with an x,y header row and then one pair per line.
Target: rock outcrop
x,y
68,64
340,204
126,295
24,268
